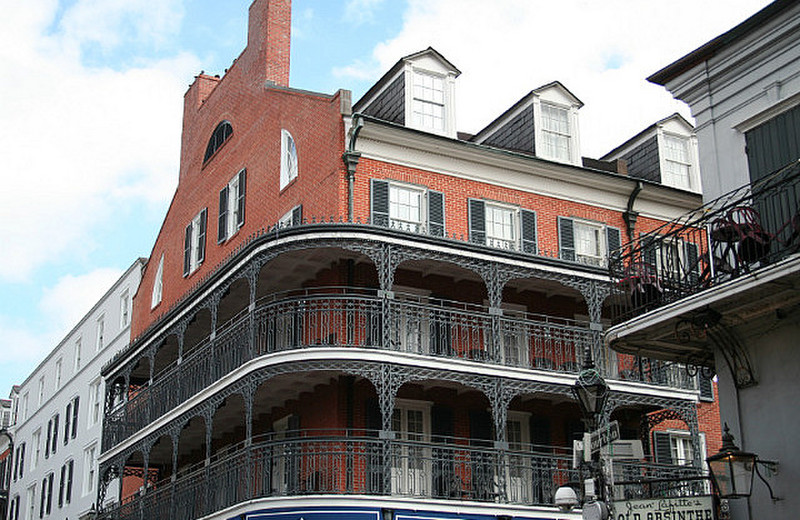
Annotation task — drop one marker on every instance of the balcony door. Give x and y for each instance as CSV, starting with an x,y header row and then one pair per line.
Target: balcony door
x,y
413,315
411,473
518,470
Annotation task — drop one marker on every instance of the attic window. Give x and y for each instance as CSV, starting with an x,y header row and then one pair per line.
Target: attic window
x,y
221,134
556,132
428,108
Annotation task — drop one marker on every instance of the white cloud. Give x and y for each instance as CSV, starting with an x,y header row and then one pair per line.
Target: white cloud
x,y
601,51
361,11
78,141
73,296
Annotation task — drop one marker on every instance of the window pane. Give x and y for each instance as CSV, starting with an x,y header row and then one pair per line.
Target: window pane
x,y
676,162
405,208
501,226
555,132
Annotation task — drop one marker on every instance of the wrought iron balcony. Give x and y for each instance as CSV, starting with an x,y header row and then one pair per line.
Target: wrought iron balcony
x,y
737,234
338,462
359,318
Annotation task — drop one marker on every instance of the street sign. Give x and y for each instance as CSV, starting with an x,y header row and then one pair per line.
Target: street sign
x,y
604,436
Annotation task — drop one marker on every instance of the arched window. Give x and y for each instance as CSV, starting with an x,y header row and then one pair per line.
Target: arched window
x,y
221,134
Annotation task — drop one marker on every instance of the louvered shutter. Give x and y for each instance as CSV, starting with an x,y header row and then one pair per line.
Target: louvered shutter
x,y
706,387
663,448
67,418
187,250
528,224
297,215
201,242
240,200
442,430
436,213
692,267
649,246
477,221
70,472
49,438
55,434
222,231
61,482
566,239
380,203
613,242
75,416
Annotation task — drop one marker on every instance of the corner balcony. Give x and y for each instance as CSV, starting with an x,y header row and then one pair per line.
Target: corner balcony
x,y
329,463
731,261
361,318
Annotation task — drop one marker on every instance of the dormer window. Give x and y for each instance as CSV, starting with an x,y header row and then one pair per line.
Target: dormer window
x,y
428,108
221,134
555,133
677,166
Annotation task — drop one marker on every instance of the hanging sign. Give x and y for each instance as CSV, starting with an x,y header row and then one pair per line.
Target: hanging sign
x,y
677,508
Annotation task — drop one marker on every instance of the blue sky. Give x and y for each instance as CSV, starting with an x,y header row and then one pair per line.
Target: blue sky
x,y
93,89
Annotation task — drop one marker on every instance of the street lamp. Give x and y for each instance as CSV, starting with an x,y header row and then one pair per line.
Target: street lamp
x,y
591,391
732,469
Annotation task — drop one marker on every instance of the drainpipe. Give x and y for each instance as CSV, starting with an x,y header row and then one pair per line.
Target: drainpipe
x,y
630,216
350,158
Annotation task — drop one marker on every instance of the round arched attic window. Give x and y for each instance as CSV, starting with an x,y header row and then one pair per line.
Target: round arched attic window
x,y
221,134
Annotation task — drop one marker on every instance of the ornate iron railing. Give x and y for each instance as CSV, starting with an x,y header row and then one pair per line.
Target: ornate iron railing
x,y
741,232
359,318
633,480
296,463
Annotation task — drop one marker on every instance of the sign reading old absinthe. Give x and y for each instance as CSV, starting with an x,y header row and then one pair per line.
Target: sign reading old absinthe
x,y
681,508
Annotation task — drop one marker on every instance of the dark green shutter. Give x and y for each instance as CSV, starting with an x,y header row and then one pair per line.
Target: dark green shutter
x,y
774,144
692,268
380,203
187,250
222,222
240,200
201,251
649,245
443,470
477,221
706,387
528,224
566,239
613,241
436,213
662,448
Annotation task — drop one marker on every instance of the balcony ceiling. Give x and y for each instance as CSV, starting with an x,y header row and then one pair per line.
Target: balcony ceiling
x,y
748,306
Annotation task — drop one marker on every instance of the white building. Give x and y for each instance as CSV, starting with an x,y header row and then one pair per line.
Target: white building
x,y
734,303
60,410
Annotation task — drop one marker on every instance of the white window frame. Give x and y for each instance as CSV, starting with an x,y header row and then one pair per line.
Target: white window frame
x,y
100,331
89,468
399,221
158,284
289,159
95,402
77,359
405,478
124,308
502,242
676,171
601,255
194,254
30,502
552,137
232,221
36,440
429,103
25,403
40,398
59,372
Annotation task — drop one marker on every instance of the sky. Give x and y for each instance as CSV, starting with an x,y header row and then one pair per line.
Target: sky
x,y
92,94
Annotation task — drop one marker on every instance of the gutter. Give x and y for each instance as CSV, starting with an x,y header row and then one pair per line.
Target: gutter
x,y
630,216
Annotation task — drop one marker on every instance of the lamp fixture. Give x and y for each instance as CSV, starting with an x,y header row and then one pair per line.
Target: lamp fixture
x,y
732,469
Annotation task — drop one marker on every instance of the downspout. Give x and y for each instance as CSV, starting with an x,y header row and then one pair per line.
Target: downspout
x,y
350,158
630,216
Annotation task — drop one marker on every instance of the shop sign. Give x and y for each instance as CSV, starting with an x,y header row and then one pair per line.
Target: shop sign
x,y
678,508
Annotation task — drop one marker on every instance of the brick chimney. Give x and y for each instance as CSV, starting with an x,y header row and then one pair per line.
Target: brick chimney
x,y
268,41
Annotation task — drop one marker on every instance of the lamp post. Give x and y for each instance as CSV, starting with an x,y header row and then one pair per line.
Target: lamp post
x,y
591,392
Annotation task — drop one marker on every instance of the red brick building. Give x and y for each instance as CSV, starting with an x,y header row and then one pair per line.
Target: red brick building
x,y
352,309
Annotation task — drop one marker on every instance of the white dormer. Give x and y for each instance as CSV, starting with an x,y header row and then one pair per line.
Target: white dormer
x,y
430,93
665,152
678,156
556,127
